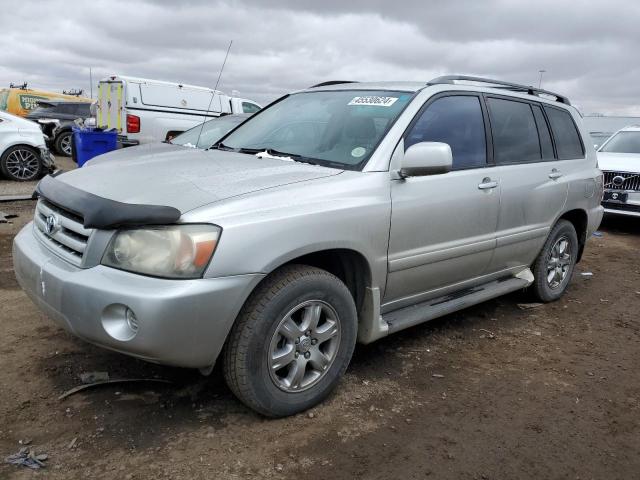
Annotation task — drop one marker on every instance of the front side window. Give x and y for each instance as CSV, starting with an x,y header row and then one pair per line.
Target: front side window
x,y
457,121
203,136
515,135
336,128
565,133
623,142
248,107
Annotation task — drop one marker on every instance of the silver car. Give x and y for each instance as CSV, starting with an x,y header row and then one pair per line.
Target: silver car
x,y
341,213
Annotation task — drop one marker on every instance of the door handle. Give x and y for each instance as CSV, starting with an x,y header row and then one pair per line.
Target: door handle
x,y
555,174
487,184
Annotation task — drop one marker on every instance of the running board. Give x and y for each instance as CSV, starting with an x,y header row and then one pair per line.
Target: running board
x,y
422,312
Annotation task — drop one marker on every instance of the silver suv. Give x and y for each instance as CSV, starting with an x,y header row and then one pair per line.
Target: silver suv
x,y
344,212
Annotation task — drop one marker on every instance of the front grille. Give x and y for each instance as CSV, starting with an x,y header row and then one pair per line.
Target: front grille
x,y
629,207
68,237
632,181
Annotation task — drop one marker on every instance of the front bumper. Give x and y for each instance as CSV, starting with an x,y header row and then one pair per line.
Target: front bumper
x,y
180,322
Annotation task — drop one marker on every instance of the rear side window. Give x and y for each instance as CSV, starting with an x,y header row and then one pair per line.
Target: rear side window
x,y
515,135
565,133
543,132
457,121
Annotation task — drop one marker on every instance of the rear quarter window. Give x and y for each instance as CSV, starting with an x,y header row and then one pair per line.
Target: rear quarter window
x,y
565,133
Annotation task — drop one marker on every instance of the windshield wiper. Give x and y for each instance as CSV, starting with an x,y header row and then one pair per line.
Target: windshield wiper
x,y
285,156
271,153
220,146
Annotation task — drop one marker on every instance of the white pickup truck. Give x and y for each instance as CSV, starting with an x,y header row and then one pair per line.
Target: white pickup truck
x,y
145,111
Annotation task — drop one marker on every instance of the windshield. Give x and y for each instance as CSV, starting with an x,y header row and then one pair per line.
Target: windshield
x,y
623,142
212,131
333,128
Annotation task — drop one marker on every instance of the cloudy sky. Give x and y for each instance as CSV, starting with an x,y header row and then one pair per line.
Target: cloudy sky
x,y
589,50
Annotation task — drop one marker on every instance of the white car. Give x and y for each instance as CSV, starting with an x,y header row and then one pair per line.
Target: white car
x,y
619,160
23,152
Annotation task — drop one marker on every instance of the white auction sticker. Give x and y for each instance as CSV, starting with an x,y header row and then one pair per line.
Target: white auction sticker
x,y
374,101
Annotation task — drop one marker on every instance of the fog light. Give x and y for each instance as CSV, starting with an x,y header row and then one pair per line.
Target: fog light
x,y
120,322
132,321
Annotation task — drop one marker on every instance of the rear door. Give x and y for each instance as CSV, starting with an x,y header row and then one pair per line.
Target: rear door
x,y
533,188
443,226
110,105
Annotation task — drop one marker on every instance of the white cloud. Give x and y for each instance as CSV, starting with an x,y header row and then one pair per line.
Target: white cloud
x,y
586,49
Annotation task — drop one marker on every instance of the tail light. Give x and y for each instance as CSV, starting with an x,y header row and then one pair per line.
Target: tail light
x,y
133,124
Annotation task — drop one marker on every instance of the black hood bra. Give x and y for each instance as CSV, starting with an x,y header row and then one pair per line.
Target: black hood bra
x,y
99,212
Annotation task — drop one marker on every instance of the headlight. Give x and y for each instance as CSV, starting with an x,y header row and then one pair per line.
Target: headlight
x,y
176,251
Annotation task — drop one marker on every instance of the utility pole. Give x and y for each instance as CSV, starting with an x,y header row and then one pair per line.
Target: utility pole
x,y
540,79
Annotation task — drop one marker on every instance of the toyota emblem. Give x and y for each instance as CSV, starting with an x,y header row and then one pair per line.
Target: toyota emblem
x,y
51,224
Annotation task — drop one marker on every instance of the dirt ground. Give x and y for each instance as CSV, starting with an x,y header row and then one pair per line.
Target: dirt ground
x,y
493,392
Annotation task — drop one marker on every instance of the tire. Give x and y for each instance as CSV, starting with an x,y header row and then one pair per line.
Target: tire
x,y
251,370
549,285
62,143
21,163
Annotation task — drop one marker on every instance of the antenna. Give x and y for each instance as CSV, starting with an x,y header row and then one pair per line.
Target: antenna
x,y
214,92
91,82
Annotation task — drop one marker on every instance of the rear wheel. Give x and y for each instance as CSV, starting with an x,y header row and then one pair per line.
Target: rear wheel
x,y
554,266
63,143
292,341
21,163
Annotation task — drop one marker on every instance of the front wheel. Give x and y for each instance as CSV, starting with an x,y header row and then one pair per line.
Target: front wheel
x,y
554,266
21,163
292,341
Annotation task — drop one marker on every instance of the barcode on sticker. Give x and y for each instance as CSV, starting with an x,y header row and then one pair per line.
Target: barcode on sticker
x,y
374,101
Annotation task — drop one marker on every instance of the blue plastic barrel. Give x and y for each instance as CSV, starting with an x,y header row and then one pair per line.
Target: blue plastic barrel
x,y
90,142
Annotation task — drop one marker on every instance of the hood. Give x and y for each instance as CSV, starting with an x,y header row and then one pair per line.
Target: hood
x,y
185,178
619,162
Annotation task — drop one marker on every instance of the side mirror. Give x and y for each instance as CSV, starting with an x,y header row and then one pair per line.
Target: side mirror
x,y
426,158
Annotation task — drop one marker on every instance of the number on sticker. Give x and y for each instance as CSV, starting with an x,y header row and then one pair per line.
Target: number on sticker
x,y
373,101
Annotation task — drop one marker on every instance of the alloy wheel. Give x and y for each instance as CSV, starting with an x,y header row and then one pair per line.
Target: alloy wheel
x,y
23,164
65,145
559,262
304,346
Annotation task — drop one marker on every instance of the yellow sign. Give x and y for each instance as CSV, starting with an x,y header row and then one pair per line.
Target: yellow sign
x,y
21,102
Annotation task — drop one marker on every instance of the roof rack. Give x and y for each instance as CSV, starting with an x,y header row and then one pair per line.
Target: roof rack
x,y
514,87
332,82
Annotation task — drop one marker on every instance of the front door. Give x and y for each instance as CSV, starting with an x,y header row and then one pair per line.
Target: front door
x,y
443,226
